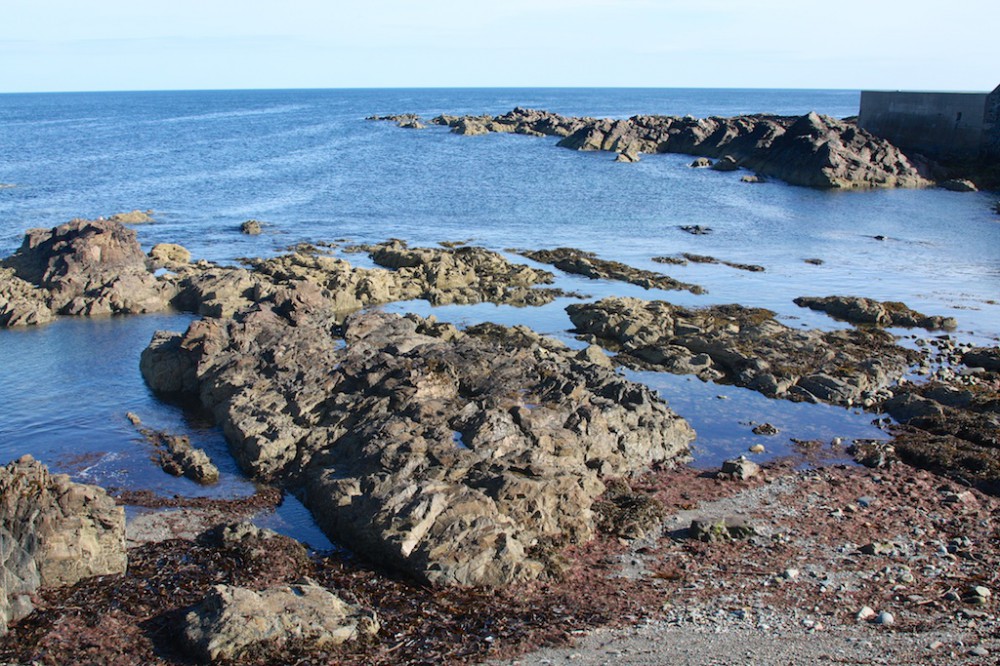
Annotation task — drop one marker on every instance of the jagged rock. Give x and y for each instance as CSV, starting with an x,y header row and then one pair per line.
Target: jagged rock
x,y
959,185
52,532
810,150
747,347
589,265
868,311
756,178
232,621
169,255
21,303
727,163
90,267
701,163
251,228
449,455
133,217
176,456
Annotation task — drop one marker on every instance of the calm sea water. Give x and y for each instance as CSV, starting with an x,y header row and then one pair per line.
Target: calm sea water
x,y
310,166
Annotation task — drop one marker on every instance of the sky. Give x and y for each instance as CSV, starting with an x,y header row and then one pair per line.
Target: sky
x,y
71,45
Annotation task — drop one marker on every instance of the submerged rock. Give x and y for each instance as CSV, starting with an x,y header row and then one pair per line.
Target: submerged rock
x,y
251,228
133,217
452,456
747,347
233,621
53,532
869,311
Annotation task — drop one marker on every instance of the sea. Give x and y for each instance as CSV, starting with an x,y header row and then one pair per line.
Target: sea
x,y
311,167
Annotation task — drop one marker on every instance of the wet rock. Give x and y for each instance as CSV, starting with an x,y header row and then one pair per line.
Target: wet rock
x,y
629,155
588,264
701,163
814,261
756,178
705,259
727,163
747,347
232,621
867,311
169,255
132,217
730,528
810,150
448,455
765,429
983,357
54,532
739,468
89,267
176,456
251,228
959,185
696,229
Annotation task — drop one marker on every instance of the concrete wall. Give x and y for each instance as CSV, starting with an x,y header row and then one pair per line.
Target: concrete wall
x,y
939,125
991,126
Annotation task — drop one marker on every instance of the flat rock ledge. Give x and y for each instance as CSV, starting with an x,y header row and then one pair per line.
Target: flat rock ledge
x,y
747,347
458,457
52,532
233,621
812,150
590,265
858,310
96,267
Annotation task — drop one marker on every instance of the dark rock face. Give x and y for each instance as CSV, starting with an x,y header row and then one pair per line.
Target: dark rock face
x,y
810,150
747,347
457,457
53,532
588,264
868,311
87,267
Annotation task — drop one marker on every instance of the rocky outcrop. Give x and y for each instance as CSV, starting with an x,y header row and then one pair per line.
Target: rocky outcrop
x,y
457,457
590,265
89,267
858,310
747,347
132,217
233,621
251,228
810,150
52,532
97,267
176,455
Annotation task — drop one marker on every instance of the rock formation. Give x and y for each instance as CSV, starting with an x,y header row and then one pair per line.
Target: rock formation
x,y
232,621
588,264
810,150
457,457
53,532
747,347
868,311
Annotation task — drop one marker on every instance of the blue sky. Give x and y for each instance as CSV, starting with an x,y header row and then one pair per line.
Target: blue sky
x,y
62,45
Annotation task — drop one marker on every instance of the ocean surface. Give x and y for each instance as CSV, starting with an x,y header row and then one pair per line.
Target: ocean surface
x,y
310,166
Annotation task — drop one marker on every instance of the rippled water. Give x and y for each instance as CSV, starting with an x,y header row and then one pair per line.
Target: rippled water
x,y
310,166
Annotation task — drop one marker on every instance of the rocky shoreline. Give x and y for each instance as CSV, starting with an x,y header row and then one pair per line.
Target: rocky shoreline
x,y
810,150
489,472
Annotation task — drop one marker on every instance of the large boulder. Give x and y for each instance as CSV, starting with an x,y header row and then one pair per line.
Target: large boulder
x,y
87,267
232,621
456,457
52,532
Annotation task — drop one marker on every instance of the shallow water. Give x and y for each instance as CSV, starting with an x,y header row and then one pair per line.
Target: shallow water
x,y
308,165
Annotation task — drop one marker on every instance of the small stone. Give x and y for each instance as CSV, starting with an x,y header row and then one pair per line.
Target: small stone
x,y
866,501
866,613
765,429
981,591
757,448
133,418
885,618
979,651
790,574
936,645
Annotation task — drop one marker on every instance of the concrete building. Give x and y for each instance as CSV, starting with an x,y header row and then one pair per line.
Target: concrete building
x,y
944,126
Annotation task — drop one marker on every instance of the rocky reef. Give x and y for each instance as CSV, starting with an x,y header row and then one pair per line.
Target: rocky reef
x,y
459,457
811,150
53,532
590,265
747,347
857,310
